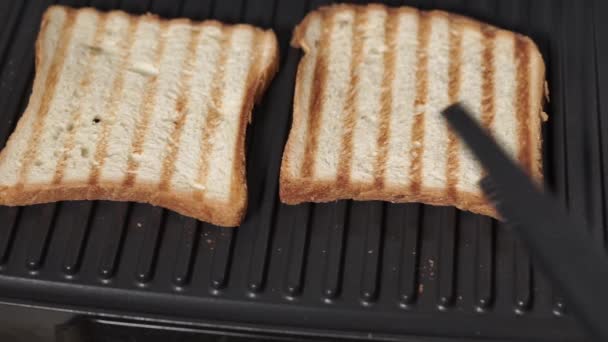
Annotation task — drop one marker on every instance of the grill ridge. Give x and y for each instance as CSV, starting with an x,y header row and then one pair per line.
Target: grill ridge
x,y
11,219
187,247
372,252
115,230
297,242
335,250
523,279
153,226
409,286
484,288
448,231
39,234
80,226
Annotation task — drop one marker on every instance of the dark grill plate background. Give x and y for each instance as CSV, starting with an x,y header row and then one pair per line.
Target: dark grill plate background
x,y
345,269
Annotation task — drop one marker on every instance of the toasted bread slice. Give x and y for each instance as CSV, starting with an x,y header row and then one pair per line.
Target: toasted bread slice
x,y
369,90
138,108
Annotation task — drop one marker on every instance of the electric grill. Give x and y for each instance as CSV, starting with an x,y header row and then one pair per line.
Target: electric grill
x,y
369,270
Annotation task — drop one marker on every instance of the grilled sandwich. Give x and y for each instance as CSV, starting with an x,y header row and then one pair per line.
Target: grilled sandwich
x,y
139,108
368,96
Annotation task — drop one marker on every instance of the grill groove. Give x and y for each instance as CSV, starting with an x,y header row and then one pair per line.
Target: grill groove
x,y
408,271
185,252
448,230
113,218
298,241
40,219
80,225
523,279
221,257
334,251
484,292
151,228
10,218
372,251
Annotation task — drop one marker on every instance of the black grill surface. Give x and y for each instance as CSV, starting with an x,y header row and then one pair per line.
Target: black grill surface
x,y
344,269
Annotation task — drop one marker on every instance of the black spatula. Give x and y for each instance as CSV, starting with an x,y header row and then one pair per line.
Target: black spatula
x,y
560,242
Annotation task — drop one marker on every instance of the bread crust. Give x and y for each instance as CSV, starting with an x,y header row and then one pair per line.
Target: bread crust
x,y
297,189
216,212
228,214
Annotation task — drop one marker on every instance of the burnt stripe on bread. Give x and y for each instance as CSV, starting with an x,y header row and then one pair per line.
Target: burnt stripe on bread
x,y
112,107
368,102
75,116
181,106
487,97
317,93
390,36
417,140
147,106
453,95
225,141
404,85
237,192
49,92
350,107
212,118
522,102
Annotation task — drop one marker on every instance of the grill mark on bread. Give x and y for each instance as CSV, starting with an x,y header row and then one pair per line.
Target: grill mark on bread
x,y
85,82
181,106
115,92
522,102
49,91
350,107
315,107
391,33
453,160
488,108
487,95
147,105
252,86
214,115
417,146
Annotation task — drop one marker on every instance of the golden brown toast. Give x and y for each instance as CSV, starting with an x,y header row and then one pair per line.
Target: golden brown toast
x,y
369,90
